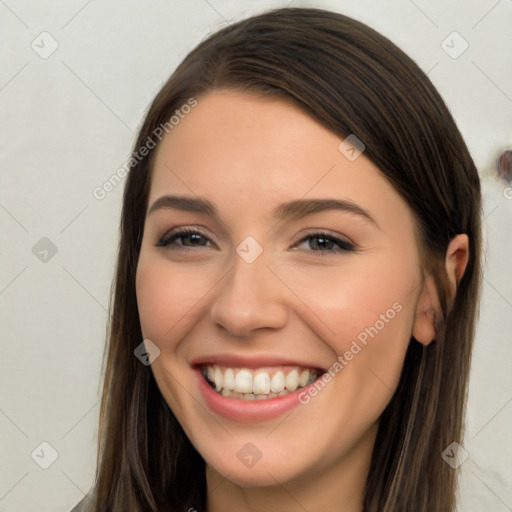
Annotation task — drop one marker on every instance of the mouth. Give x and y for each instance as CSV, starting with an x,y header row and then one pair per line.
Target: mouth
x,y
257,383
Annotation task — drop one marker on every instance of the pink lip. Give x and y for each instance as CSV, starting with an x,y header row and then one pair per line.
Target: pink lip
x,y
252,362
246,411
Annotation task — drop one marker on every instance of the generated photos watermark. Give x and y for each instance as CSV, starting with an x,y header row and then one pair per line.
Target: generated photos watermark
x,y
101,191
356,347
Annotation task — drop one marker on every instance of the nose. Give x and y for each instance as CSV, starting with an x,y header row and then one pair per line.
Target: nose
x,y
249,298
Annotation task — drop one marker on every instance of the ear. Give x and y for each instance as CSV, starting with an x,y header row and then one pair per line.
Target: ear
x,y
428,309
457,256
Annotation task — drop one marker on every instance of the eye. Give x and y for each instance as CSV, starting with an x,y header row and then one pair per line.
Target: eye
x,y
325,244
189,238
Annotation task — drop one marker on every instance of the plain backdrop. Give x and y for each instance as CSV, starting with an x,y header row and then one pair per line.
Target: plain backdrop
x,y
76,78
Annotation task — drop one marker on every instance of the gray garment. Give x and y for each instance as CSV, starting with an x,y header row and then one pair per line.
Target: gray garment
x,y
82,506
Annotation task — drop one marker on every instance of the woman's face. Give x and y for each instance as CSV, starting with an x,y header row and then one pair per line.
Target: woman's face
x,y
299,260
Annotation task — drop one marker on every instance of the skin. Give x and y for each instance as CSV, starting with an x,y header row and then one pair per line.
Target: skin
x,y
248,154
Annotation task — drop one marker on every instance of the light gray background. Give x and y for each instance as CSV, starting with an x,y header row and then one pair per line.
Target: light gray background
x,y
69,121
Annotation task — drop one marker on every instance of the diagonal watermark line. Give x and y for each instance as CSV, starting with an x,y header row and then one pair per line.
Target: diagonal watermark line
x,y
13,13
73,219
14,76
420,284
76,14
224,478
281,422
85,494
14,218
473,437
491,491
212,7
71,480
87,87
382,382
287,492
301,300
432,68
79,488
13,279
503,297
81,419
492,81
14,486
486,14
14,424
319,180
424,14
491,212
84,288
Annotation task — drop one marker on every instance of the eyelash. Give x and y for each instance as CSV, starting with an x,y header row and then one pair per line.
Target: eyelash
x,y
344,245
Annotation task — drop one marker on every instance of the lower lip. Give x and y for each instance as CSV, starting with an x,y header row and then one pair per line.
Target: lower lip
x,y
247,411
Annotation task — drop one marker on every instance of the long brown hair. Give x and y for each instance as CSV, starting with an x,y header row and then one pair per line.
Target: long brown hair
x,y
353,81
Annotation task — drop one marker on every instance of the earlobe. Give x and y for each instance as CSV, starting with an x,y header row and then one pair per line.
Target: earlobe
x,y
457,256
428,313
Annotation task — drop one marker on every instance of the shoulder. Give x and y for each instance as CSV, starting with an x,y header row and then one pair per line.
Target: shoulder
x,y
82,506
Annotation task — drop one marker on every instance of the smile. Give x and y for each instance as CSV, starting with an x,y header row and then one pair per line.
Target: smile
x,y
258,383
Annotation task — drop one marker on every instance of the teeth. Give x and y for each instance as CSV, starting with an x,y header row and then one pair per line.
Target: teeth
x,y
229,379
243,382
303,379
292,380
278,382
219,378
258,384
261,384
210,373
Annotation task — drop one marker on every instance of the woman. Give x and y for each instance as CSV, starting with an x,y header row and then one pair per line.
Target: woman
x,y
297,283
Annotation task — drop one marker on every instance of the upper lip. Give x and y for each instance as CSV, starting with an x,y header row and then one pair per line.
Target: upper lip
x,y
259,361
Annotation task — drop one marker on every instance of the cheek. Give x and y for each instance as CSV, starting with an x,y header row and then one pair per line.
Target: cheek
x,y
367,304
379,311
167,295
353,295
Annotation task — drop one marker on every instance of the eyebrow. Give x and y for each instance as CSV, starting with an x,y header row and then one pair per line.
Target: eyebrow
x,y
292,210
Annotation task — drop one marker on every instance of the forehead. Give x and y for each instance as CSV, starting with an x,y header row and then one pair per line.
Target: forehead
x,y
249,152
